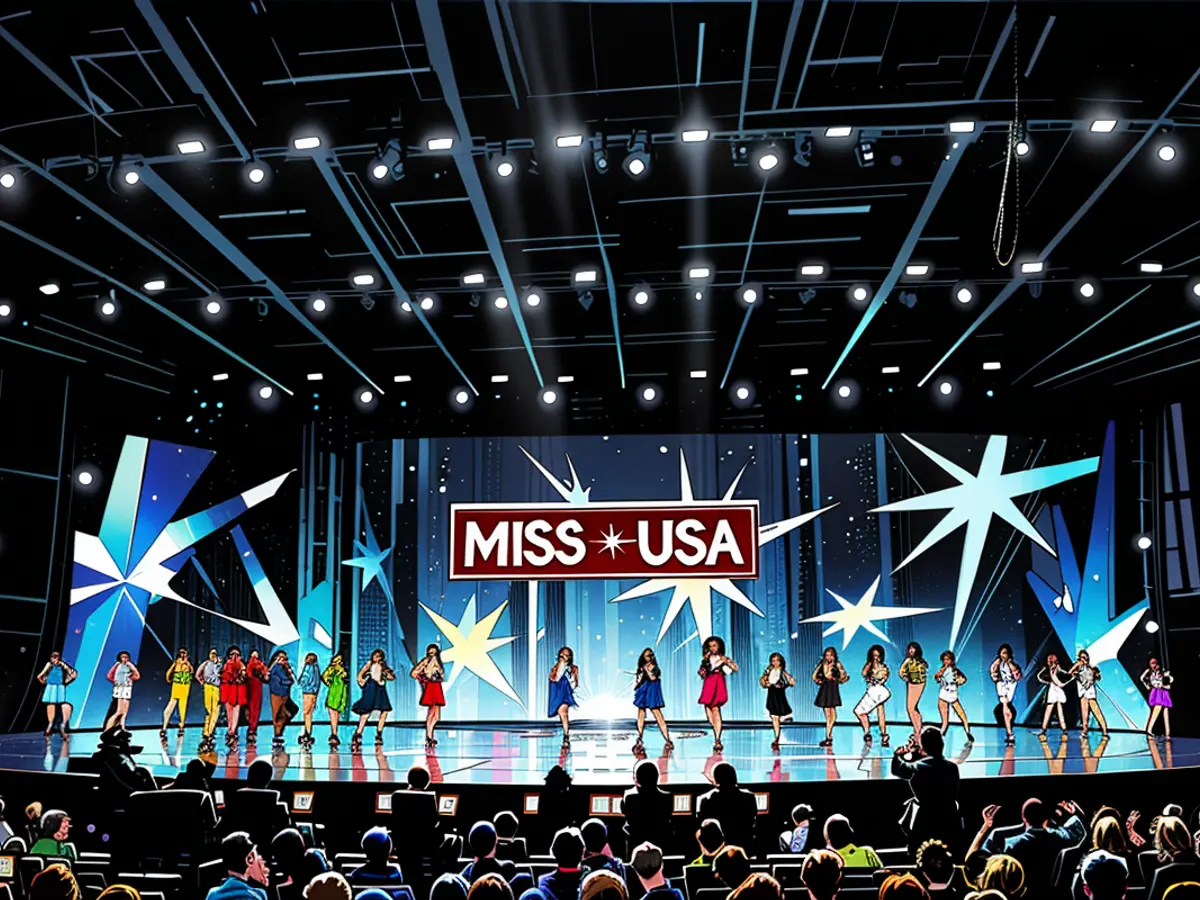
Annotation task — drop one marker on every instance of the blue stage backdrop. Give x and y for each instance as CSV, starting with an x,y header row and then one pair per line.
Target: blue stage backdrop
x,y
950,540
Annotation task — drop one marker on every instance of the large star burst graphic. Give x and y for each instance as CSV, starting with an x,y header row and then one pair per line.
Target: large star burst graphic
x,y
471,646
697,592
376,564
853,616
974,501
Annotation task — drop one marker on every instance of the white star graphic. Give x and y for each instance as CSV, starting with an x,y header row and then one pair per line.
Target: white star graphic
x,y
612,541
471,646
697,592
973,502
863,614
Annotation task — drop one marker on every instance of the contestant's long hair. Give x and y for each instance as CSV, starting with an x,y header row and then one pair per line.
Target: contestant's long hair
x,y
1000,652
771,662
919,655
643,663
437,654
872,650
570,656
829,651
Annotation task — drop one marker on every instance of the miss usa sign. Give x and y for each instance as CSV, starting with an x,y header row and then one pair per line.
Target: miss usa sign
x,y
531,542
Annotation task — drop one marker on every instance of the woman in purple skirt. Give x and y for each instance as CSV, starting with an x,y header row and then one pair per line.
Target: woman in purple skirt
x,y
1158,682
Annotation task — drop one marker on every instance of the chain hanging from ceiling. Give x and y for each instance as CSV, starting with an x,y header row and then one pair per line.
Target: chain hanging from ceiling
x,y
1012,168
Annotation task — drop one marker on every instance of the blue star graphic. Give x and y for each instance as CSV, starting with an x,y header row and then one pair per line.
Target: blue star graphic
x,y
375,564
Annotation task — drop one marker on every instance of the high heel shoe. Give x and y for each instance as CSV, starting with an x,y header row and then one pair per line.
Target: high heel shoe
x,y
378,738
775,744
887,741
718,747
356,742
669,745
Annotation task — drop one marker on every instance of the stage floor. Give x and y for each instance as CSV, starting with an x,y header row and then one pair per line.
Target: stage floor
x,y
601,754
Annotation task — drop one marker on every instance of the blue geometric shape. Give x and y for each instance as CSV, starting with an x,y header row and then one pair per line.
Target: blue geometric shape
x,y
171,472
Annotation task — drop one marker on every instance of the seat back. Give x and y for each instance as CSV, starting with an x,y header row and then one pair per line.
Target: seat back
x,y
397,892
190,814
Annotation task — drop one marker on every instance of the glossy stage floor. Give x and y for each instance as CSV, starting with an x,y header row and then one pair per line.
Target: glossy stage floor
x,y
601,753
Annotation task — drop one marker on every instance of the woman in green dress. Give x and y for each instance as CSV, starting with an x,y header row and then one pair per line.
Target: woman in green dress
x,y
337,698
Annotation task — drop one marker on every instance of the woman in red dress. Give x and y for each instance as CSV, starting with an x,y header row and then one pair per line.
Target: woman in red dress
x,y
256,677
429,674
714,694
233,691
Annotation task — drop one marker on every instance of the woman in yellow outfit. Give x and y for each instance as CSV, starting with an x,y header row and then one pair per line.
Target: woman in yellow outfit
x,y
209,675
179,676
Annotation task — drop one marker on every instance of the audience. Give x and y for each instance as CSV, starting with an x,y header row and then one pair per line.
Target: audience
x,y
711,840
418,778
646,807
1181,868
603,884
1004,874
935,865
732,806
295,865
1185,890
902,887
246,871
839,837
759,886
1037,847
378,869
563,882
646,860
5,831
119,892
508,845
795,839
934,783
731,866
449,887
328,886
1104,876
55,882
54,830
554,804
482,840
596,852
821,874
33,823
492,887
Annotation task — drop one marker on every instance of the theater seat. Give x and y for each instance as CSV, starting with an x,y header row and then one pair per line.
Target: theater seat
x,y
397,892
188,824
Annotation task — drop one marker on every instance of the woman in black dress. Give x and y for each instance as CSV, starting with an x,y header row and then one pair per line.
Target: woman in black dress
x,y
828,674
777,680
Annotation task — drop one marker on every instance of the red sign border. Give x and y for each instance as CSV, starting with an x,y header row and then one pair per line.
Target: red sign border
x,y
641,504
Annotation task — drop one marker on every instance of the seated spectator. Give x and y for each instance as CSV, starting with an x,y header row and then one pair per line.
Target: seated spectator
x,y
1004,874
903,887
508,845
647,863
711,840
821,874
839,837
603,884
329,886
935,865
373,894
33,823
295,865
5,831
734,807
377,845
1104,876
119,892
1182,868
973,867
193,777
449,887
259,775
795,839
482,841
418,778
647,808
245,868
555,806
1106,834
759,886
54,883
563,882
55,829
491,887
1037,847
731,867
596,852
534,893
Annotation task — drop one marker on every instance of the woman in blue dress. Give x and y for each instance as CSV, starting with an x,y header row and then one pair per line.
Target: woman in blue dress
x,y
56,676
310,687
648,695
372,678
564,678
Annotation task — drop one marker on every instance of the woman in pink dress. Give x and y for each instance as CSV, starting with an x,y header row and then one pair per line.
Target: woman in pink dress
x,y
714,694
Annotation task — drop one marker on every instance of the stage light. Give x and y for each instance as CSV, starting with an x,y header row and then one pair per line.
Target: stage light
x,y
812,270
859,294
640,295
402,379
1022,148
366,397
502,164
549,396
1087,290
839,131
742,393
499,379
221,376
749,294
844,391
426,303
189,147
379,171
500,302
1144,542
316,376
585,276
461,397
699,273
108,308
797,373
1103,126
436,144
964,127
7,180
405,306
1151,627
641,298
634,166
131,177
945,388
533,299
564,141
474,278
963,295
309,142
637,161
5,310
266,392
698,373
154,285
649,394
1032,268
318,303
504,169
85,478
695,136
1151,268
1196,289
917,270
49,289
890,370
1166,153
864,152
600,157
769,158
363,279
803,152
991,367
213,307
699,295
256,173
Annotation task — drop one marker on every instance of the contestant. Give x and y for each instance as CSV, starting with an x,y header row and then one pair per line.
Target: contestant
x,y
1055,678
1006,673
122,675
310,687
429,673
829,674
914,672
372,678
562,695
875,672
1086,676
1158,682
648,695
256,677
337,698
179,677
233,692
714,694
950,678
776,679
209,674
56,675
280,679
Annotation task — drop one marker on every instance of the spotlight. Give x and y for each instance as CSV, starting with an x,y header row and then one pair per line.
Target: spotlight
x,y
500,302
190,147
844,391
1086,290
859,293
363,279
768,159
917,270
964,295
460,398
306,142
213,307
649,396
1034,267
474,278
379,171
7,180
1166,153
1103,126
1151,627
694,136
699,273
318,303
585,276
504,168
49,289
366,397
1022,148
740,152
750,293
1150,268
549,396
812,270
864,152
565,141
426,304
131,177
804,149
1144,542
502,164
741,394
640,295
221,376
533,298
256,172
600,156
1196,289
439,144
154,285
390,161
637,161
5,310
108,308
266,392
965,127
839,131
85,478
405,306
945,388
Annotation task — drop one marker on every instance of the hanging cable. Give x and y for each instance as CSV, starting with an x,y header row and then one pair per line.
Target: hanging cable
x,y
1012,168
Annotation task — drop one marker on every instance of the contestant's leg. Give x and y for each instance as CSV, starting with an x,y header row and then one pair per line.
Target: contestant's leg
x,y
123,711
1154,711
914,713
641,723
662,725
379,726
170,708
362,723
1083,716
430,712
310,703
962,717
277,713
775,728
1062,717
51,713
67,709
944,712
231,717
437,717
334,716
1007,711
1166,723
1100,720
865,721
882,723
718,724
564,717
1046,717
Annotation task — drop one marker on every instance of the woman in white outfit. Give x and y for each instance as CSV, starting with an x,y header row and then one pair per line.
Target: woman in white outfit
x,y
1055,678
1086,676
950,678
875,673
122,675
1006,673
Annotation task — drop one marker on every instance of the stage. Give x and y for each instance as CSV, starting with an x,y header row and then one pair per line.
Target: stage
x,y
601,754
